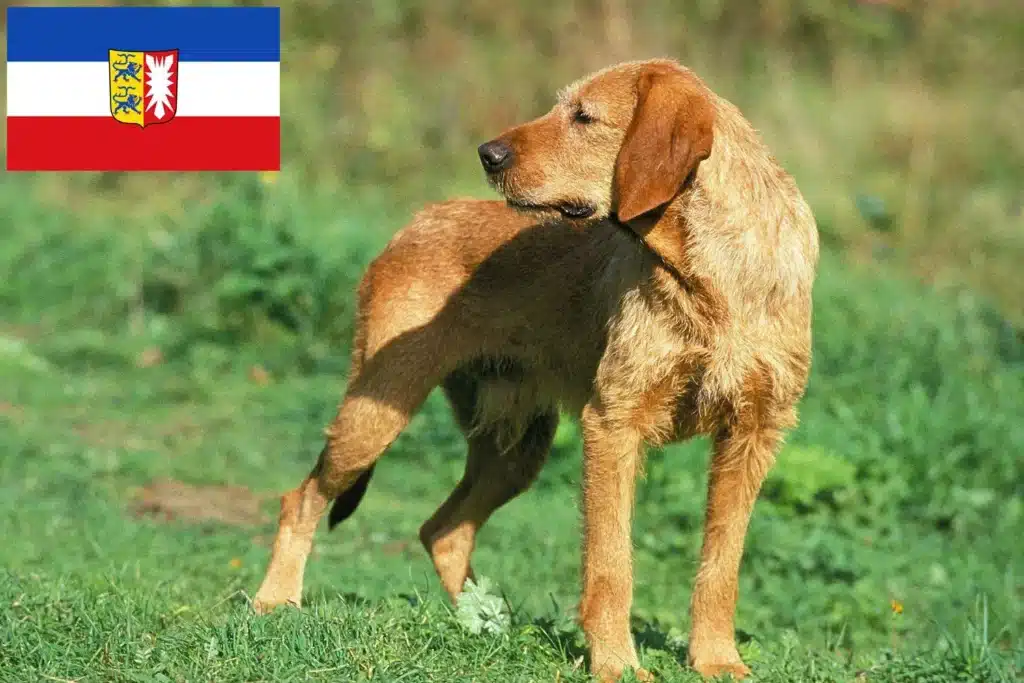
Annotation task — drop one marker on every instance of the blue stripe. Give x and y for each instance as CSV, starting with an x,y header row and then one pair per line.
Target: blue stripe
x,y
84,34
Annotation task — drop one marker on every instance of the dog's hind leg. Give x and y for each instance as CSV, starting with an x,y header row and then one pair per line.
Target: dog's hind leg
x,y
496,472
362,430
392,374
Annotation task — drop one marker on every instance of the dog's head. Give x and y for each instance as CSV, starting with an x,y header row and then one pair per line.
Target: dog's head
x,y
623,141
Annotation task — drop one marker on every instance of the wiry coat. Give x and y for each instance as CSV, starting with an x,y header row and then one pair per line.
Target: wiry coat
x,y
651,270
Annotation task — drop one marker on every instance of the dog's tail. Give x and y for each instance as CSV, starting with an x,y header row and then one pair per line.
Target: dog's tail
x,y
345,504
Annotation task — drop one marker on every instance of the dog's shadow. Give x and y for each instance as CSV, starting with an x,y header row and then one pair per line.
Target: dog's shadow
x,y
652,635
566,639
648,635
564,634
323,598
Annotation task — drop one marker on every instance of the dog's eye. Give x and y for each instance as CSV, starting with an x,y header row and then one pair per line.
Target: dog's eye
x,y
582,117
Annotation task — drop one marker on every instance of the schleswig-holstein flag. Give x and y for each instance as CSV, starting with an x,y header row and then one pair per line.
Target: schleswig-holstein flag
x,y
143,88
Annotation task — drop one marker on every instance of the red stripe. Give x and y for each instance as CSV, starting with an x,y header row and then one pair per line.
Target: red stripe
x,y
100,143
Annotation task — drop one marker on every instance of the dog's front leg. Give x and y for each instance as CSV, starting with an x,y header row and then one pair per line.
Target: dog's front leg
x,y
741,458
611,458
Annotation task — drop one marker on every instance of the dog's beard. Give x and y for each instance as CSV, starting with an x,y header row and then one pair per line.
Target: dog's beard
x,y
523,202
571,210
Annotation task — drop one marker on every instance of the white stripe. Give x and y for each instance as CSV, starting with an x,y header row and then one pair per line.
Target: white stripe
x,y
204,89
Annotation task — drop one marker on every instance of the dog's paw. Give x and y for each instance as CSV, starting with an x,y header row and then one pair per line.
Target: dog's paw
x,y
613,674
267,603
610,676
738,669
644,676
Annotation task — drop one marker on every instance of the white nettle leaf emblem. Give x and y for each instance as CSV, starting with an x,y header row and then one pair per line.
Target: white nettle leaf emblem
x,y
160,82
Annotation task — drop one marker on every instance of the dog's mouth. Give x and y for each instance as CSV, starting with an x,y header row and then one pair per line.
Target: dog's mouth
x,y
574,210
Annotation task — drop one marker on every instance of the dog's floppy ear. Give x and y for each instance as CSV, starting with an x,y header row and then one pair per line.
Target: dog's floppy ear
x,y
670,134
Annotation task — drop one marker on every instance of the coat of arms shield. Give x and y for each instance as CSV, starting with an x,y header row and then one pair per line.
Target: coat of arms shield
x,y
143,86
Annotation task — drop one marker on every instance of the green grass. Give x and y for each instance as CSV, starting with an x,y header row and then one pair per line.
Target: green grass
x,y
886,541
92,592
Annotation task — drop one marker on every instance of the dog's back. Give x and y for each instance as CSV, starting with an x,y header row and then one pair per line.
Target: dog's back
x,y
524,299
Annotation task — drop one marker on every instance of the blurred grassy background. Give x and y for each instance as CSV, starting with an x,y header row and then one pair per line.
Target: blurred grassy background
x,y
200,324
900,120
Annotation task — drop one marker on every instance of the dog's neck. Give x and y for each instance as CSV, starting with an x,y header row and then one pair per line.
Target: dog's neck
x,y
664,232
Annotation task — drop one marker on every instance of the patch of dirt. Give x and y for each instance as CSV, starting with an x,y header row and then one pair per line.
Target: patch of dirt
x,y
396,548
22,332
169,500
138,435
113,434
149,358
11,412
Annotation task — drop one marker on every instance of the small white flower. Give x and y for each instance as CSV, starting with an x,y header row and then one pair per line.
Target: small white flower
x,y
479,611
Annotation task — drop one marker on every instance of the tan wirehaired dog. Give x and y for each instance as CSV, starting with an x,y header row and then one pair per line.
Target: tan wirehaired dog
x,y
652,275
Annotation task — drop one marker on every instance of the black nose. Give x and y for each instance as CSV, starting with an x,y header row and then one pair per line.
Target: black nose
x,y
495,156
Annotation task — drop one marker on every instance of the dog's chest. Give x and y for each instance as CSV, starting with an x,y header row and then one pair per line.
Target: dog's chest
x,y
658,371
